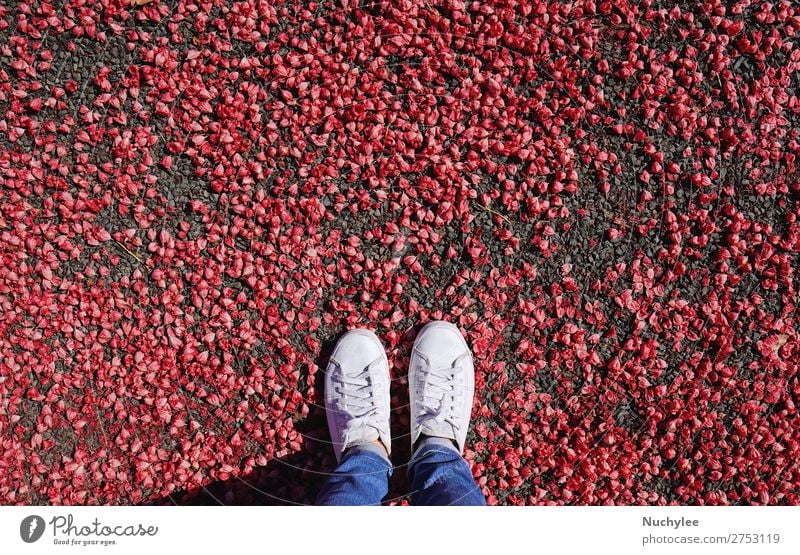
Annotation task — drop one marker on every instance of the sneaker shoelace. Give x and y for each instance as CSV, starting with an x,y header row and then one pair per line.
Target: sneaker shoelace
x,y
439,398
358,401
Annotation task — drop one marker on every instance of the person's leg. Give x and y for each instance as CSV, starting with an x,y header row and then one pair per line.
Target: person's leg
x,y
362,478
441,380
439,475
357,407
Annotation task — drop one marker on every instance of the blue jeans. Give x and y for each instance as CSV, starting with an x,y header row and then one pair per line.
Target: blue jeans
x,y
438,475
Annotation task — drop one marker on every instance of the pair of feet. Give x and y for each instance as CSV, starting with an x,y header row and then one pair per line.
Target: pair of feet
x,y
441,381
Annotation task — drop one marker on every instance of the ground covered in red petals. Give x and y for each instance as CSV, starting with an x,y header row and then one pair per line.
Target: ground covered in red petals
x,y
198,197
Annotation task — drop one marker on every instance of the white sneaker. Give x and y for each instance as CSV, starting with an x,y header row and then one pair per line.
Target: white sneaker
x,y
441,383
357,395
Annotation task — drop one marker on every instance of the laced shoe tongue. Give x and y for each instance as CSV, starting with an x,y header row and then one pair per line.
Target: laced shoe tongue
x,y
360,433
358,401
437,403
439,428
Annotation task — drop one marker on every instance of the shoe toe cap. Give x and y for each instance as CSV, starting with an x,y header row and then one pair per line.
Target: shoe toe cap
x,y
441,343
356,349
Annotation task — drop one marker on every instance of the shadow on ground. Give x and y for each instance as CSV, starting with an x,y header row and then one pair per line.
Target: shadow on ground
x,y
297,478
